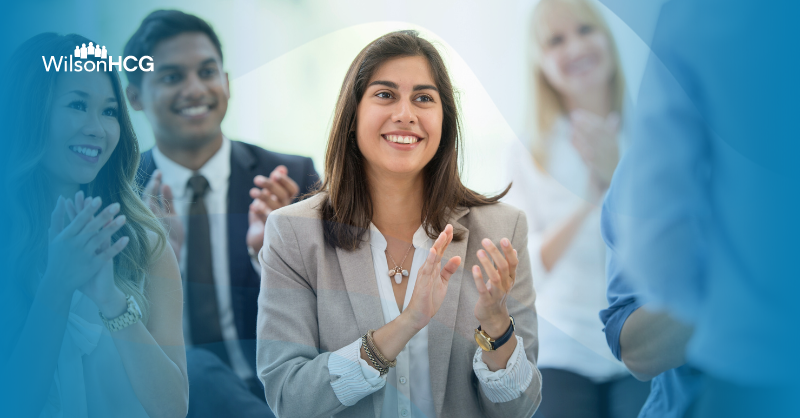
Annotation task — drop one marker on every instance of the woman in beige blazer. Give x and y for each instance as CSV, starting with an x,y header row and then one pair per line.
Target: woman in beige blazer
x,y
365,309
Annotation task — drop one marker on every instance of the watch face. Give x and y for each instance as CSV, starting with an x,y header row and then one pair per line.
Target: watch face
x,y
483,341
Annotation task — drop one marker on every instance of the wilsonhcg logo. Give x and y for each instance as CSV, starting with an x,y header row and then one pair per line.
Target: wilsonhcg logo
x,y
73,62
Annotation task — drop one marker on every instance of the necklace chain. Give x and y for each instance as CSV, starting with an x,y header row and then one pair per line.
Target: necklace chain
x,y
399,268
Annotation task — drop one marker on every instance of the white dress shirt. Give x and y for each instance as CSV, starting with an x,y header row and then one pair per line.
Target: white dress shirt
x,y
217,170
409,393
571,295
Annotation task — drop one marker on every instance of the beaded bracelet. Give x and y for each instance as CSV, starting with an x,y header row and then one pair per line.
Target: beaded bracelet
x,y
375,362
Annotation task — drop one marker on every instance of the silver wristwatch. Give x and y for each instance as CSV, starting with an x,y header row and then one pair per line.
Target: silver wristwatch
x,y
130,317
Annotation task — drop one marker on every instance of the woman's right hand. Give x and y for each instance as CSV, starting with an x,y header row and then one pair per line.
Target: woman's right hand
x,y
431,285
78,249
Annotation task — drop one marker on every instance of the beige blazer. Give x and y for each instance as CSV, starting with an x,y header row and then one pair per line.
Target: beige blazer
x,y
316,299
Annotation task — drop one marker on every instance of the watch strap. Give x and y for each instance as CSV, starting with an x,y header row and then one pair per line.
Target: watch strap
x,y
130,317
497,343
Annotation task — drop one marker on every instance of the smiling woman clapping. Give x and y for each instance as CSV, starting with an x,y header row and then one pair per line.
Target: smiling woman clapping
x,y
365,307
90,294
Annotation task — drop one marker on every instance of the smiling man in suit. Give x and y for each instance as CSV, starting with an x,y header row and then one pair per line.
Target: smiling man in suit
x,y
203,185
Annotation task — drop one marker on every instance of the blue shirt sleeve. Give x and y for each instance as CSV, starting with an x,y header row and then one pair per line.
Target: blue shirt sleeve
x,y
622,300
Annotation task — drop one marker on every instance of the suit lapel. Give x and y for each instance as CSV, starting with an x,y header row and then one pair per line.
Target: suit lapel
x,y
146,168
442,326
358,272
238,205
243,167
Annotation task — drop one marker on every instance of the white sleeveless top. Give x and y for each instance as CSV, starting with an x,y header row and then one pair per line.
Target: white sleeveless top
x,y
570,296
90,380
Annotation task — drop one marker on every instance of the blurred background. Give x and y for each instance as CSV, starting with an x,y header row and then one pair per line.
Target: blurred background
x,y
286,60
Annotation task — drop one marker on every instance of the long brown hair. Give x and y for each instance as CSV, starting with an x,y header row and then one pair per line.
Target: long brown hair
x,y
347,210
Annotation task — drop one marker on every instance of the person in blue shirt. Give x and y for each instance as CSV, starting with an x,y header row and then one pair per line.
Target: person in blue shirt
x,y
701,216
655,342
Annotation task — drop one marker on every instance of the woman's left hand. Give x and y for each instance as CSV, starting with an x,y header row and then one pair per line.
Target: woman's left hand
x,y
491,311
595,139
101,288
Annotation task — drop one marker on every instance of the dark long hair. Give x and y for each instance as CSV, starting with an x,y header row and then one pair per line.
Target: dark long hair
x,y
347,210
27,92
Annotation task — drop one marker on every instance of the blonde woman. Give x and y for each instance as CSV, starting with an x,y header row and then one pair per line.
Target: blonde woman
x,y
558,182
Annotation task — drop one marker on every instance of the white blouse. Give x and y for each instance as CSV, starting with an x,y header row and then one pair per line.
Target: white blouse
x,y
409,392
90,380
571,295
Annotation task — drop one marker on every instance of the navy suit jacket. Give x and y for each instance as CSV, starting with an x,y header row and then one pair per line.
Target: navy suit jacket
x,y
247,161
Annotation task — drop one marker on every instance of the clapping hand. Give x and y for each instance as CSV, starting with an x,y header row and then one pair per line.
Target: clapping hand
x,y
491,311
269,194
595,139
81,254
158,197
101,287
431,285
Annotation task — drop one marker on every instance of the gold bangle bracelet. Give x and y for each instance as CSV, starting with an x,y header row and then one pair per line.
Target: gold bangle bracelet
x,y
375,362
384,360
372,353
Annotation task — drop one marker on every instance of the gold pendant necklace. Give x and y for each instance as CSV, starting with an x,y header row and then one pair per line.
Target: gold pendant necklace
x,y
398,271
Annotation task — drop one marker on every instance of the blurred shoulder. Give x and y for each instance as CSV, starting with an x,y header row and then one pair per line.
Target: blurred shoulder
x,y
499,210
161,253
298,225
162,267
266,156
495,217
308,208
152,237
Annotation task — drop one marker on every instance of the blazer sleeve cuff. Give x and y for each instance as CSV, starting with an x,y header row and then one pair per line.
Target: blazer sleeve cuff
x,y
352,379
505,384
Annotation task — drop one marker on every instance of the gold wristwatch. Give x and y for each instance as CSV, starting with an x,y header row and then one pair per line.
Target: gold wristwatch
x,y
487,343
130,317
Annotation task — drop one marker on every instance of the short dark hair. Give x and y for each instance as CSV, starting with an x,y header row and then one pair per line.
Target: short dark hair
x,y
161,25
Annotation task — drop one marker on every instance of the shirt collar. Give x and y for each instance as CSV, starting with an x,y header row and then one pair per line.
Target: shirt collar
x,y
217,170
377,240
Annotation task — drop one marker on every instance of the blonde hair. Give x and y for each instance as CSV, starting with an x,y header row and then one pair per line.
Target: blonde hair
x,y
548,103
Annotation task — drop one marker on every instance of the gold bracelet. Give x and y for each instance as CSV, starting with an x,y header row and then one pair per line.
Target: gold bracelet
x,y
370,349
375,362
384,360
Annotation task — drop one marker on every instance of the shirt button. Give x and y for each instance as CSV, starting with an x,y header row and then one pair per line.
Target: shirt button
x,y
404,412
402,380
